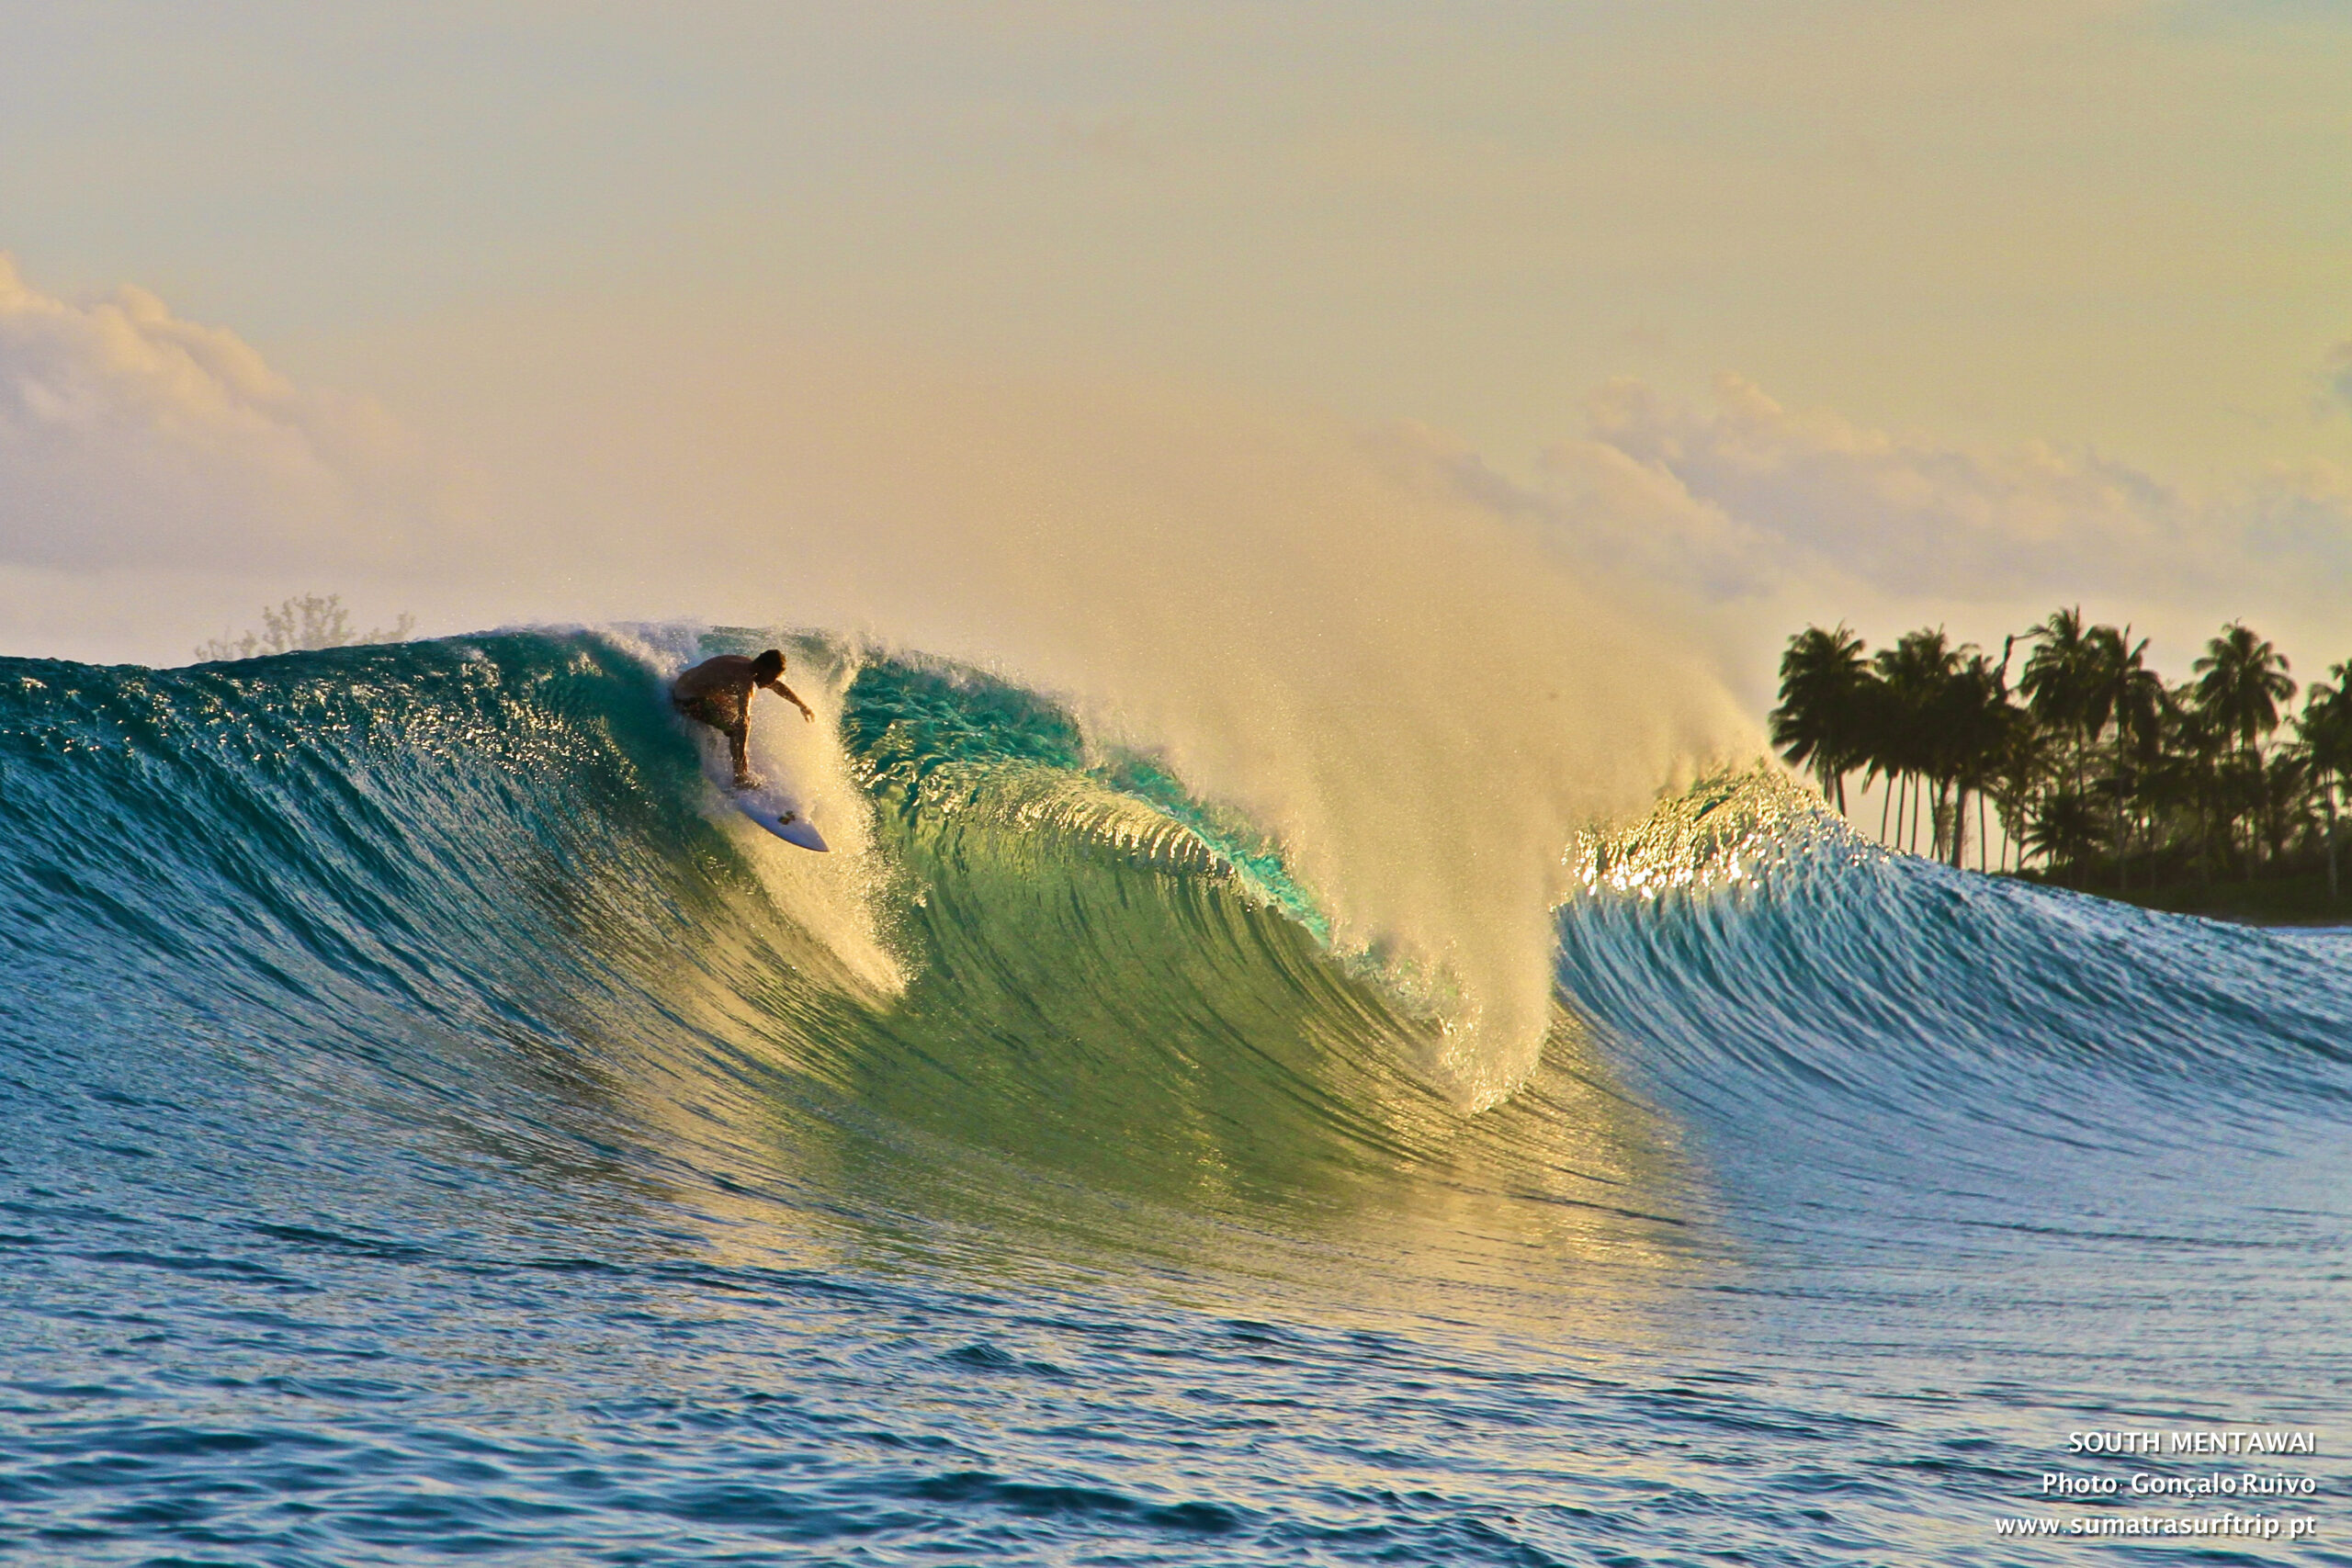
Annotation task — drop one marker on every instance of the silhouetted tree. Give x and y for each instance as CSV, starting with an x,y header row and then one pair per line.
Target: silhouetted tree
x,y
2325,731
1822,721
2103,756
2062,683
2242,678
1914,677
2065,828
2132,697
1969,719
304,621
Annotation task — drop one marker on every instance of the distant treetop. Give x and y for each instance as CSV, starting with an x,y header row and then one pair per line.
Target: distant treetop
x,y
305,621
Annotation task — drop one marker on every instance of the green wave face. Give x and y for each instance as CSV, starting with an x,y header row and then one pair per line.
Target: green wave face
x,y
1040,987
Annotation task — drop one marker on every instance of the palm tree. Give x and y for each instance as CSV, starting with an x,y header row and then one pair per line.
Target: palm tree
x,y
2325,733
2285,804
2194,774
1972,718
2133,696
2065,827
2241,680
2062,682
1908,732
1820,721
2026,763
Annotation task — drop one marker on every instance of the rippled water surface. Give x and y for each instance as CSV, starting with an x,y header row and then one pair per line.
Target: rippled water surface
x,y
434,1128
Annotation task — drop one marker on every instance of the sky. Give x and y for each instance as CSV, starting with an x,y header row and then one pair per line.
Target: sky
x,y
1739,316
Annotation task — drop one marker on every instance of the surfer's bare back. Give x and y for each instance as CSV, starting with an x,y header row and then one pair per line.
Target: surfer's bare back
x,y
717,693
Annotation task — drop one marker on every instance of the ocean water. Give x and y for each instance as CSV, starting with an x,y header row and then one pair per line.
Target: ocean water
x,y
432,1127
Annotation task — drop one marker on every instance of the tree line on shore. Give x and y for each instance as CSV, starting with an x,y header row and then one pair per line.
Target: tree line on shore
x,y
2098,769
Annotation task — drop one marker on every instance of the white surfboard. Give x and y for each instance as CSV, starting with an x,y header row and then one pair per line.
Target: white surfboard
x,y
772,804
778,817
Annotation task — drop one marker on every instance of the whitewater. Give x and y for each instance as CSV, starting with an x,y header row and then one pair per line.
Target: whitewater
x,y
436,1127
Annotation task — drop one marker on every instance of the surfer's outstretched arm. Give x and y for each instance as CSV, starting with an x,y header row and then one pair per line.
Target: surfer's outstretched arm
x,y
788,694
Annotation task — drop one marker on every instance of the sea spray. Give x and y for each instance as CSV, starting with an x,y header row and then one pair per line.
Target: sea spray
x,y
1729,827
1407,693
1416,692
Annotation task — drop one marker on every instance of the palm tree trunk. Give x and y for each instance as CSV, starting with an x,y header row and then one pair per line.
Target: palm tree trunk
x,y
2252,838
2123,858
2261,804
1959,824
2331,840
1886,802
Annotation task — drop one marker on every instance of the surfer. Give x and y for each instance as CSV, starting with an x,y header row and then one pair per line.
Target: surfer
x,y
717,693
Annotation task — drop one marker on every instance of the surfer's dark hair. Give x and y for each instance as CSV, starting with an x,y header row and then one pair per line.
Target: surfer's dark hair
x,y
768,665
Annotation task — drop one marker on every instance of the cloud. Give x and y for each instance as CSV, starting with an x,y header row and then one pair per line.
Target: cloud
x,y
130,435
1747,503
2299,521
1753,491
